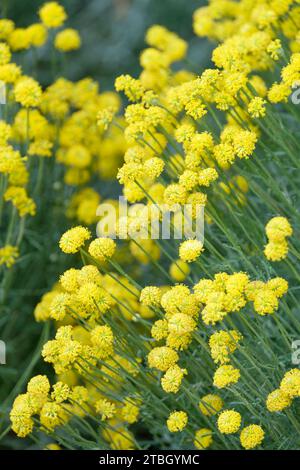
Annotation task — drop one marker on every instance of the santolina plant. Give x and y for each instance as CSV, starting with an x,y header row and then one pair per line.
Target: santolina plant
x,y
181,344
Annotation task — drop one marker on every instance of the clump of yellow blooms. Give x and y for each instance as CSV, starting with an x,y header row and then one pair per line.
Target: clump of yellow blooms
x,y
168,332
278,229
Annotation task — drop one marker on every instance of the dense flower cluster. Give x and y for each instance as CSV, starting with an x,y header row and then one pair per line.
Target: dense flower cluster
x,y
187,337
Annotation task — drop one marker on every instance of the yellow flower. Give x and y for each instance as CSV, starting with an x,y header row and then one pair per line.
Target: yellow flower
x,y
278,228
222,344
52,446
28,92
61,392
51,415
290,383
159,330
190,250
265,302
172,379
278,400
39,385
225,376
5,54
130,412
229,421
52,14
74,239
162,358
67,40
256,107
8,255
6,28
177,421
276,251
179,270
181,324
210,404
203,438
252,436
105,408
151,296
38,34
102,339
102,248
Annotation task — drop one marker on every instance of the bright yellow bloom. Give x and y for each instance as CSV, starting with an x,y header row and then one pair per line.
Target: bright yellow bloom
x,y
162,358
52,14
278,400
225,376
172,379
177,421
252,436
67,40
28,92
102,248
8,255
74,239
203,438
210,404
290,383
190,250
229,422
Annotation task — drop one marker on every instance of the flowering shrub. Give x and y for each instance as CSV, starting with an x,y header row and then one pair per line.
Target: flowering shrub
x,y
174,342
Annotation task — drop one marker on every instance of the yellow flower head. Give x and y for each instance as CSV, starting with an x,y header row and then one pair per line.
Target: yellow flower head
x,y
190,250
28,92
252,436
8,255
74,239
278,228
229,421
67,40
203,438
210,404
151,296
102,248
278,400
52,15
172,379
225,376
162,358
177,421
290,383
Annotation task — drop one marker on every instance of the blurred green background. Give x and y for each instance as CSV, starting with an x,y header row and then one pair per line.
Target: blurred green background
x,y
113,33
